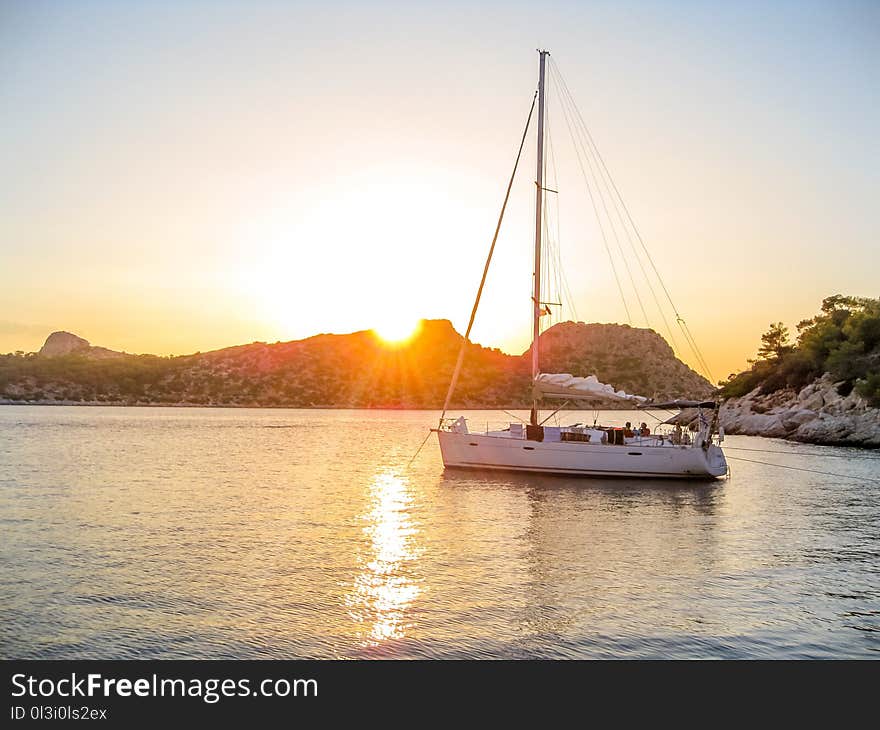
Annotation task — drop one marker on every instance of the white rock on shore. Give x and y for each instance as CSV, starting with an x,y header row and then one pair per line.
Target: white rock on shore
x,y
816,414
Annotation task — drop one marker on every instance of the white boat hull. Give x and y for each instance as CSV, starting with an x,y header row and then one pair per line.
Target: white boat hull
x,y
488,451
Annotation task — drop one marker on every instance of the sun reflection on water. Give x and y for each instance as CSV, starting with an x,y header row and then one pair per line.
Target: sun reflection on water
x,y
385,588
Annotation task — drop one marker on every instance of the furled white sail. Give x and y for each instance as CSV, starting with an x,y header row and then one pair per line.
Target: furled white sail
x,y
565,385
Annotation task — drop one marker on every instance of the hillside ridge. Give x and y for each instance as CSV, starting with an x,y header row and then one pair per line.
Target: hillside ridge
x,y
356,370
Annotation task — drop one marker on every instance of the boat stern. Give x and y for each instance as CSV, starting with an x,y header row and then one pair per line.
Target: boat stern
x,y
716,463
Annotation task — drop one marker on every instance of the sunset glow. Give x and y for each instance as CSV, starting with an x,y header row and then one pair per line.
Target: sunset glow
x,y
386,334
161,196
398,330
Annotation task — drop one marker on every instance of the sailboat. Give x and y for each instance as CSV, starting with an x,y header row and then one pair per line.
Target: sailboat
x,y
580,449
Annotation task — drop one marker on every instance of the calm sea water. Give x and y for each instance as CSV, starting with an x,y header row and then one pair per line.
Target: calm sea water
x,y
209,533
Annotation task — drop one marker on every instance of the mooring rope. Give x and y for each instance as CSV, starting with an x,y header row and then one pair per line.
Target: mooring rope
x,y
866,457
418,450
812,471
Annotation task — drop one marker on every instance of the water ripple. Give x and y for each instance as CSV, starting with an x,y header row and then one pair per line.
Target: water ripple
x,y
211,533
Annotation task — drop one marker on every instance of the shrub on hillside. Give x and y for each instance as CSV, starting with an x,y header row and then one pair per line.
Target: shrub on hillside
x,y
843,340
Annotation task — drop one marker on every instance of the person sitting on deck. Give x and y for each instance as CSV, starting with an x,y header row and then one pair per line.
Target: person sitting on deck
x,y
627,430
644,430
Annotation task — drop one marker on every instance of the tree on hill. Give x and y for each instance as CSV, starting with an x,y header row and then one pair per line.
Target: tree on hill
x,y
843,340
774,342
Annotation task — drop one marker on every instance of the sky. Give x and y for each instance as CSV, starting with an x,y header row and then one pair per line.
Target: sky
x,y
184,176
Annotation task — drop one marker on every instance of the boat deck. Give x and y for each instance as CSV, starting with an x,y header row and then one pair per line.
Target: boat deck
x,y
596,435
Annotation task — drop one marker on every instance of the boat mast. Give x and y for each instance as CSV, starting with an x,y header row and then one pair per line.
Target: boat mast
x,y
539,195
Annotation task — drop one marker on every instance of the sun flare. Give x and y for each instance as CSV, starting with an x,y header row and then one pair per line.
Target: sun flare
x,y
397,330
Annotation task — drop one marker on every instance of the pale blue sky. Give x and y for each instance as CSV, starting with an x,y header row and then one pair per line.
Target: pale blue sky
x,y
189,175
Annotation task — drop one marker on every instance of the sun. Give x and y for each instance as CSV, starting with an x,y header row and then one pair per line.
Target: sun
x,y
398,330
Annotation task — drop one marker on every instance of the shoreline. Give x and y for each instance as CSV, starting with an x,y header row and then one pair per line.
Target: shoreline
x,y
94,404
815,414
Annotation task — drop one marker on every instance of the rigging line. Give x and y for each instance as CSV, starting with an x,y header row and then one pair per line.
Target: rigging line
x,y
554,413
669,329
665,410
682,324
629,237
569,298
657,418
555,182
564,289
546,253
654,296
595,211
521,420
632,245
596,180
651,288
687,331
551,255
546,243
623,256
688,335
552,241
689,338
562,279
595,173
467,333
812,471
638,259
866,457
552,231
547,247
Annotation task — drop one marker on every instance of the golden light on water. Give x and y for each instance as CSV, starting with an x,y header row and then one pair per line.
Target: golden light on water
x,y
384,590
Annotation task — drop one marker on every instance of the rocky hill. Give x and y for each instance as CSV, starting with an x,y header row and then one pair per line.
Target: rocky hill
x,y
635,360
356,370
65,343
816,413
823,387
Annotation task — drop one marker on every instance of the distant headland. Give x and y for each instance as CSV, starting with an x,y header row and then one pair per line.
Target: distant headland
x,y
822,388
357,370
